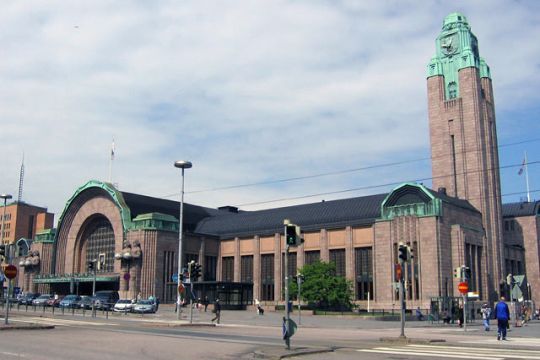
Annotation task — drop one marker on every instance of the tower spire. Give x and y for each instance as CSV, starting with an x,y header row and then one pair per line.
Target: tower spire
x,y
21,180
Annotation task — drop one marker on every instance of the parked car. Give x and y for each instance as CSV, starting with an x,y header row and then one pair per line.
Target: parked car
x,y
86,302
123,305
70,301
55,301
27,298
106,299
42,300
145,306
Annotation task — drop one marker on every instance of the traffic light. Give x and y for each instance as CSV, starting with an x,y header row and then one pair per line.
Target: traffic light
x,y
92,265
410,253
290,235
457,272
403,252
196,271
509,278
467,273
2,252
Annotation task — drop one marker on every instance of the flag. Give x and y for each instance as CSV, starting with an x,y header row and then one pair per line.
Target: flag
x,y
112,150
522,167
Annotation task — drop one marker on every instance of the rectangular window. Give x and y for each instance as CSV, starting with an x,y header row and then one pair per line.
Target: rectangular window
x,y
210,268
311,256
337,256
364,273
227,269
267,277
169,268
246,271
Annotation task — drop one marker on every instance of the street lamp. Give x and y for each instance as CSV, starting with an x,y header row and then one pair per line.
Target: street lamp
x,y
182,164
5,197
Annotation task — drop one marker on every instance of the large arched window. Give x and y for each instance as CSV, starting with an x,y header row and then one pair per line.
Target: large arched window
x,y
99,240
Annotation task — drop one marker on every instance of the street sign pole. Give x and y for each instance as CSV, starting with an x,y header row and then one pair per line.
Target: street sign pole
x,y
287,316
402,300
299,282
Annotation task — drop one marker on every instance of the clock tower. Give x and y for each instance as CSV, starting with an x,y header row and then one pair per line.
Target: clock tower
x,y
465,161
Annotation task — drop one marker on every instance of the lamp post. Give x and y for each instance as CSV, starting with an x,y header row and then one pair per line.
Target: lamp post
x,y
182,164
5,197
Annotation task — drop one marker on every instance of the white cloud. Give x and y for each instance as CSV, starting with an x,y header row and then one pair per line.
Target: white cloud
x,y
249,91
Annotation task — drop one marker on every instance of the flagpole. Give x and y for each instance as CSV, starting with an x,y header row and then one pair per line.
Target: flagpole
x,y
111,162
527,177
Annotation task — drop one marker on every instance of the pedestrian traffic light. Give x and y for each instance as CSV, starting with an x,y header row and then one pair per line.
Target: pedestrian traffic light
x,y
403,252
290,234
410,253
196,271
2,252
457,272
91,265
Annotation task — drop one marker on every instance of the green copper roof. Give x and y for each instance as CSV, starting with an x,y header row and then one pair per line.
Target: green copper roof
x,y
45,236
155,221
115,195
457,48
410,199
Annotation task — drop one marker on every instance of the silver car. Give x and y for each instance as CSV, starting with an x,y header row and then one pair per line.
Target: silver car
x,y
123,305
145,306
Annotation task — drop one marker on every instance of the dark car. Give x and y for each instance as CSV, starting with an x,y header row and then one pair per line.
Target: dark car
x,y
86,302
27,298
42,300
106,299
70,301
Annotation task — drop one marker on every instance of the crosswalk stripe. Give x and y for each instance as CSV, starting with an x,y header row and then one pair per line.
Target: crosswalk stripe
x,y
511,341
430,354
460,352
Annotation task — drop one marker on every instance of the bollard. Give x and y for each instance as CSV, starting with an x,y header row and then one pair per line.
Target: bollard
x,y
53,309
43,310
107,314
63,309
72,310
26,307
84,312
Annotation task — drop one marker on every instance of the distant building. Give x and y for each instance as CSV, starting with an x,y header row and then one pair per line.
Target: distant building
x,y
24,220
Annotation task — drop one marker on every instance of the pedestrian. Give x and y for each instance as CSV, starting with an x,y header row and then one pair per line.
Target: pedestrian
x,y
419,315
217,311
460,316
486,315
205,303
178,304
502,314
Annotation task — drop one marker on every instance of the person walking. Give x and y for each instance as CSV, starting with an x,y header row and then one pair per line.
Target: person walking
x,y
205,303
502,314
217,311
486,315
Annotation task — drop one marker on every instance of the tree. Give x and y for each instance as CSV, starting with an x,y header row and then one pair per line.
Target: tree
x,y
322,288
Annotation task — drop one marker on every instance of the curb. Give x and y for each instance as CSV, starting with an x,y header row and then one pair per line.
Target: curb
x,y
26,327
283,353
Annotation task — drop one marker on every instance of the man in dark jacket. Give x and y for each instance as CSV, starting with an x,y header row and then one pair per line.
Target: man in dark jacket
x,y
502,314
217,311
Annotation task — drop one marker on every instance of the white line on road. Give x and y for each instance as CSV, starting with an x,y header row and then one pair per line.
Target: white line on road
x,y
514,351
431,354
12,354
63,322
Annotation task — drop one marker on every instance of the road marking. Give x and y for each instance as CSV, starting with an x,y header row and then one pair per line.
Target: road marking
x,y
18,356
63,322
511,341
401,351
458,352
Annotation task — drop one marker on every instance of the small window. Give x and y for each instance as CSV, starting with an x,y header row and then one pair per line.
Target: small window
x,y
452,90
459,18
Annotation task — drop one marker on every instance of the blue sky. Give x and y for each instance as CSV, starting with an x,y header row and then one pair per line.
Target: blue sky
x,y
249,91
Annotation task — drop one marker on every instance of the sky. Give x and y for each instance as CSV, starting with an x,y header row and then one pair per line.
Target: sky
x,y
303,101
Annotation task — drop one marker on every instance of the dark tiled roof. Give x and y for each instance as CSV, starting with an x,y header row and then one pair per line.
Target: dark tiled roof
x,y
141,204
465,204
521,209
328,214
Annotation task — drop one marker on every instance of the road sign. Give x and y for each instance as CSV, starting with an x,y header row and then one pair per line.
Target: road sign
x,y
463,287
127,276
181,288
10,271
175,278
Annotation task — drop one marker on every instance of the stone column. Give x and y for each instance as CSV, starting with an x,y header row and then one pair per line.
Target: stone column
x,y
202,258
323,241
349,255
277,268
237,263
257,268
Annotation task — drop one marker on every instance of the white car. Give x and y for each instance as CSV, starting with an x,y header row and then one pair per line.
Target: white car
x,y
123,305
145,306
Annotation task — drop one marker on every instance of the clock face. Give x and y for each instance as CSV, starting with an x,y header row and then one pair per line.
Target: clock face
x,y
449,44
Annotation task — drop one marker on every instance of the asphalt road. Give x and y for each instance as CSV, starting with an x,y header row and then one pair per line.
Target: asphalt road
x,y
152,337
